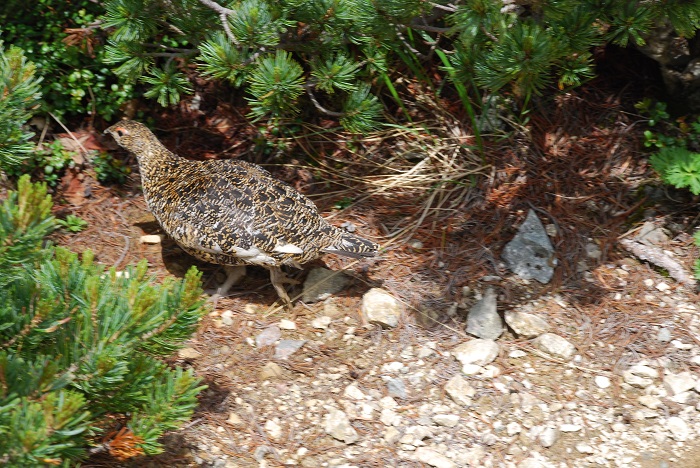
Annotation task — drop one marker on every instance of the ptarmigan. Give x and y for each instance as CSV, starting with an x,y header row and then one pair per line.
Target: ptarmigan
x,y
233,213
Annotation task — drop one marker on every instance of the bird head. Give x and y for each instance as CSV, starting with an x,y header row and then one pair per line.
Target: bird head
x,y
132,136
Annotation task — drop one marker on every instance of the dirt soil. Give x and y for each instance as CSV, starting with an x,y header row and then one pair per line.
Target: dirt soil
x,y
578,164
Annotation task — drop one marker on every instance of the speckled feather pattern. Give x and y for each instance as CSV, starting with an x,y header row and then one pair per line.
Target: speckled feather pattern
x,y
232,212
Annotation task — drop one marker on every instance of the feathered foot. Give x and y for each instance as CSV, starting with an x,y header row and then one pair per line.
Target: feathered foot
x,y
278,280
233,276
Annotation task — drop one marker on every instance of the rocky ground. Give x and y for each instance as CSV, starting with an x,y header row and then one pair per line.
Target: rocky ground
x,y
348,386
352,377
600,367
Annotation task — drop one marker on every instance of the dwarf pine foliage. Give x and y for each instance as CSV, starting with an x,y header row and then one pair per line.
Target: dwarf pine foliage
x,y
19,97
80,347
337,56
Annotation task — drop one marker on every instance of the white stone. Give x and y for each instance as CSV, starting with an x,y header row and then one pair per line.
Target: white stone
x,y
433,458
273,429
526,325
460,391
583,447
389,417
663,287
338,426
471,369
227,317
555,345
569,428
151,239
679,383
351,391
321,322
392,435
388,403
548,436
380,307
513,428
447,420
649,401
619,427
478,351
640,375
287,325
602,381
678,428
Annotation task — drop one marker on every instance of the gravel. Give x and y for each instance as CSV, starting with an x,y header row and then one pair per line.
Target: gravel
x,y
354,386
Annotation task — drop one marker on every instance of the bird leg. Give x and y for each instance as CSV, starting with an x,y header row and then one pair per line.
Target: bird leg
x,y
233,276
278,280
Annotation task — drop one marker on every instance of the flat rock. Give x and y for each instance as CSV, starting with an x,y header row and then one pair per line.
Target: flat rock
x,y
479,352
270,371
678,428
460,391
396,388
380,307
483,320
530,254
337,425
321,322
555,345
286,348
447,420
188,353
268,336
433,458
679,383
151,239
525,324
640,376
286,324
321,283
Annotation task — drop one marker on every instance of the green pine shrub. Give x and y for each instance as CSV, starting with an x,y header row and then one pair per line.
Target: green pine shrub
x,y
337,56
80,347
19,97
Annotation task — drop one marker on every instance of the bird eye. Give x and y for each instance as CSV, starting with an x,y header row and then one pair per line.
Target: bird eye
x,y
120,132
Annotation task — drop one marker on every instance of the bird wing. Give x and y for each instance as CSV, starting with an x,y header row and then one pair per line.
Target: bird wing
x,y
238,209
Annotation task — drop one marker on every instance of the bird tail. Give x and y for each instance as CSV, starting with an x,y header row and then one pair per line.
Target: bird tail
x,y
353,246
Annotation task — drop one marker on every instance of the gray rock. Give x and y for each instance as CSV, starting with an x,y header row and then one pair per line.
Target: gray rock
x,y
286,348
380,307
555,345
530,254
483,320
479,352
338,426
526,325
433,458
396,388
679,383
664,335
321,283
460,391
268,336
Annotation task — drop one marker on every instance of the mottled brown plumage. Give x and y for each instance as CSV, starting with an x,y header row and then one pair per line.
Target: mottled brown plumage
x,y
232,212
